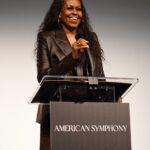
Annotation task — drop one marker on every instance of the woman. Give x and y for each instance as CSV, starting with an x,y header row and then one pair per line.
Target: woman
x,y
66,45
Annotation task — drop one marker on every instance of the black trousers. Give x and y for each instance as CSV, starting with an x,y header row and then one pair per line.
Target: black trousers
x,y
44,137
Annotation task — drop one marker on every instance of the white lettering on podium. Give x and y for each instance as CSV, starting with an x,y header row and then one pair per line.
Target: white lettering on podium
x,y
90,128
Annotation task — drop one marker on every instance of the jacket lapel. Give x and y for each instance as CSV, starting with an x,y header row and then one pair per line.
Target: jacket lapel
x,y
62,42
65,47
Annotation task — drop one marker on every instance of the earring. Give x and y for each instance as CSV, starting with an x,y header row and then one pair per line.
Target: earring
x,y
58,20
83,21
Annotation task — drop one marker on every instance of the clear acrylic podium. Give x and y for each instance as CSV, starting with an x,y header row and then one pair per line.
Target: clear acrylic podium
x,y
84,113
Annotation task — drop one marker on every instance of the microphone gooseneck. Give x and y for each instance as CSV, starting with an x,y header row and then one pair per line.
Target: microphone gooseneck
x,y
85,56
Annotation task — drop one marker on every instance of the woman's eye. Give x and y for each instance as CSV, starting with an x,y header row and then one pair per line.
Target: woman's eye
x,y
80,9
69,8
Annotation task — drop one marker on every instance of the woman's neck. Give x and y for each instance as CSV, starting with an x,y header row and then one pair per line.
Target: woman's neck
x,y
71,32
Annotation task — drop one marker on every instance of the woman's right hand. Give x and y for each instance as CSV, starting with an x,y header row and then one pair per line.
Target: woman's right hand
x,y
79,47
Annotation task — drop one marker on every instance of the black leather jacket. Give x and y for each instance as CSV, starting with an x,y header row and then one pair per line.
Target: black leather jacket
x,y
54,58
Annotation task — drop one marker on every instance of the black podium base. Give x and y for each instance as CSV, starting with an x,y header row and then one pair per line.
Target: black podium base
x,y
90,126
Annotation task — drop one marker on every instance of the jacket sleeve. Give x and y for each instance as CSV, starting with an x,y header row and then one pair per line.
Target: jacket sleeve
x,y
44,63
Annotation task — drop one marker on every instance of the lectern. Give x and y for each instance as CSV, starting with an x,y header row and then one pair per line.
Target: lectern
x,y
84,113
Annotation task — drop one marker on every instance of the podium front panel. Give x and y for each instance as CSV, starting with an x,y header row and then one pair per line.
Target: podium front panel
x,y
89,126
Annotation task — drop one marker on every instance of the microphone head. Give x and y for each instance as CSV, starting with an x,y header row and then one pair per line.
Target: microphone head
x,y
79,34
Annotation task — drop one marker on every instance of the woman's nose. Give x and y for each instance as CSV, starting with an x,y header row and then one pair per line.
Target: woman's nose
x,y
74,11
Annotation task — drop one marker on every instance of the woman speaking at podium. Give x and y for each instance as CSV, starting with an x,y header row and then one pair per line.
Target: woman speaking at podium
x,y
66,45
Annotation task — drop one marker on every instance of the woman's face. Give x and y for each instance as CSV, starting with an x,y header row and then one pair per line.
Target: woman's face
x,y
71,14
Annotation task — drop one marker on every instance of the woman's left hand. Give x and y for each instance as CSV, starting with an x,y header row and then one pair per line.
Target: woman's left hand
x,y
79,47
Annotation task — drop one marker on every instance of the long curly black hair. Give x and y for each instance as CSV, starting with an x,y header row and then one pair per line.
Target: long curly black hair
x,y
51,22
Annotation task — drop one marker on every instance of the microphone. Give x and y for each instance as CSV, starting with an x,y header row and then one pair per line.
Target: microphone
x,y
79,34
85,56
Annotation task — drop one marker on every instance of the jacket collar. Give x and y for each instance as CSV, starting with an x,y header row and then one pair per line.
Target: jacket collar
x,y
63,42
64,45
